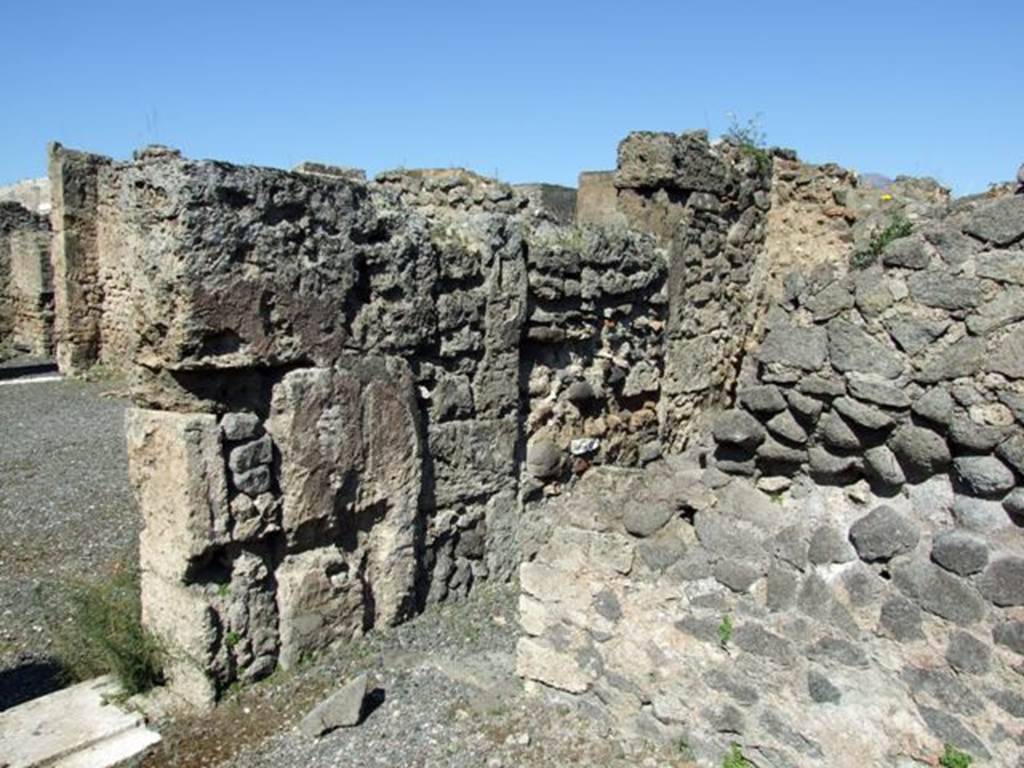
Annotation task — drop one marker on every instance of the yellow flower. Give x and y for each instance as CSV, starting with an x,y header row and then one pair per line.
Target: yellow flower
x,y
886,197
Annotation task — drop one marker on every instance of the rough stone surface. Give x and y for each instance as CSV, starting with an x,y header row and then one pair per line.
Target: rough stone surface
x,y
1011,635
543,459
921,452
945,290
1003,581
863,415
966,653
883,534
829,545
901,619
600,634
852,349
1000,221
784,425
762,399
961,552
939,592
882,465
803,348
984,475
342,709
739,429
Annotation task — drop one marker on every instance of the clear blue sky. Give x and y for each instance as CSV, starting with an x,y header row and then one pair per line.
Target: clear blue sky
x,y
532,91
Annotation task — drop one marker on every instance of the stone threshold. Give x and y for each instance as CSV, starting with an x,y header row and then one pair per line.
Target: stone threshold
x,y
77,727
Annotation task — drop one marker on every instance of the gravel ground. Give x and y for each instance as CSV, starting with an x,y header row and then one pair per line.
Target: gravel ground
x,y
66,512
447,695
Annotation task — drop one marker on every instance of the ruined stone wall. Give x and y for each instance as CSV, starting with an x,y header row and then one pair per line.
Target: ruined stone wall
x,y
900,371
635,331
553,200
33,194
351,397
26,282
77,297
425,328
594,351
256,307
444,190
326,435
90,262
838,579
708,204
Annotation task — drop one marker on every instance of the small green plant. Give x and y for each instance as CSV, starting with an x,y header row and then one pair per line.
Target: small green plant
x,y
863,259
571,240
898,226
751,138
231,639
685,750
734,758
725,631
100,631
955,758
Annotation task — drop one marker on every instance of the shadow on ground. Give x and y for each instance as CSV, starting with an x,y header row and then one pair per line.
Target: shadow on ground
x,y
30,680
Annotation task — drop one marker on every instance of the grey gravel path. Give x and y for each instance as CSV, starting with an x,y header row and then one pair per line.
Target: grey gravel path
x,y
66,511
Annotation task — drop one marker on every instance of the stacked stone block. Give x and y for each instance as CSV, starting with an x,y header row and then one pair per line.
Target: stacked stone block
x,y
897,373
707,204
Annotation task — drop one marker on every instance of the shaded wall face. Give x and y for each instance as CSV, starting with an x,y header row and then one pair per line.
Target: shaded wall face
x,y
596,200
90,253
77,297
550,200
31,287
26,284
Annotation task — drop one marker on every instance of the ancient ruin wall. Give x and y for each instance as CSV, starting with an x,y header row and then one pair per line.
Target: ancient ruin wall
x,y
77,297
26,282
92,323
453,350
272,307
258,307
862,607
899,371
33,194
706,205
